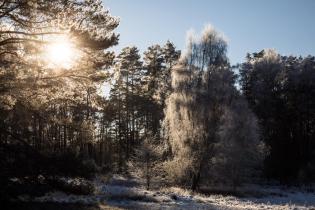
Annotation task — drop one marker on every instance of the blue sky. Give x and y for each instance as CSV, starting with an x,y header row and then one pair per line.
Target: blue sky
x,y
250,25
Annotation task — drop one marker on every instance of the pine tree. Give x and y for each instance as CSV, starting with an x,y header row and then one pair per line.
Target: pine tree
x,y
50,110
125,94
170,55
154,67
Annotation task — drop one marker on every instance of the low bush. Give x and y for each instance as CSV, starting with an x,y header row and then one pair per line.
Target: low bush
x,y
77,186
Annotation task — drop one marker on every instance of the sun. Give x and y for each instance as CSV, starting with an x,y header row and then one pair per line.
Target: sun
x,y
61,53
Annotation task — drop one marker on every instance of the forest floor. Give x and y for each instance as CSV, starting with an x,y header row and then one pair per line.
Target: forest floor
x,y
122,193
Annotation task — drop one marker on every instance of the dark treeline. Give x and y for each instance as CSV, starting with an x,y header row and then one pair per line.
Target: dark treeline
x,y
280,90
169,115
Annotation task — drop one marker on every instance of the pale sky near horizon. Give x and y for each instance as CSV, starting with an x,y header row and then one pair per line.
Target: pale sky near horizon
x,y
250,25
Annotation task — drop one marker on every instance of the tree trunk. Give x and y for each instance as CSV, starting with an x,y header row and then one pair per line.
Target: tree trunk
x,y
195,181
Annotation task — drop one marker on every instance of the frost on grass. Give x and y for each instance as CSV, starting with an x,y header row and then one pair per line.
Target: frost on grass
x,y
127,193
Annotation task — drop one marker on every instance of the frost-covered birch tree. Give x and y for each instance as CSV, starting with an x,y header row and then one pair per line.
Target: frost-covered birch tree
x,y
203,89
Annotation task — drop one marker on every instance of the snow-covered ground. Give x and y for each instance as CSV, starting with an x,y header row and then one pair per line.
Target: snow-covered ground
x,y
129,194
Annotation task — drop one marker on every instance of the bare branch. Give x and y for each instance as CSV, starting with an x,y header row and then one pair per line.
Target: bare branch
x,y
20,40
31,34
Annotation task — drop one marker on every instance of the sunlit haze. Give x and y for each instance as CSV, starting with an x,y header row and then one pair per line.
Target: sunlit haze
x,y
61,53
